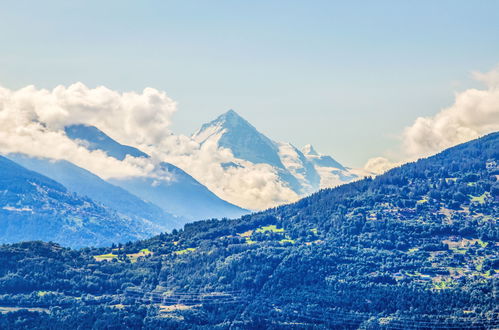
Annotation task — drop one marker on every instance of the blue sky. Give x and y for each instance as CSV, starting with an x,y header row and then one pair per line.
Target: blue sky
x,y
346,77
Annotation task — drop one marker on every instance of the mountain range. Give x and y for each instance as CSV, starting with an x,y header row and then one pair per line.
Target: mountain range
x,y
143,205
74,207
35,207
304,171
414,248
182,196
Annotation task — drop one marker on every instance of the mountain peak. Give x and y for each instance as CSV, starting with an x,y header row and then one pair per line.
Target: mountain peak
x,y
231,131
231,119
309,150
231,112
98,140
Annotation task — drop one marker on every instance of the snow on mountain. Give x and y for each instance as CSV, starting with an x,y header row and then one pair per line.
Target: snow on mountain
x,y
331,172
303,171
300,168
321,160
233,132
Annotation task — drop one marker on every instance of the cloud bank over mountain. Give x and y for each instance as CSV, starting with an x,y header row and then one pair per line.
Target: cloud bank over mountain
x,y
475,112
32,122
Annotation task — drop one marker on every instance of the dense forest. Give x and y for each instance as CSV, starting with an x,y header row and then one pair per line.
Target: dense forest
x,y
415,248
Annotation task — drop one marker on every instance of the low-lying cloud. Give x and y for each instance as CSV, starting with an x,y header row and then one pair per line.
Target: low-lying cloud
x,y
475,112
129,117
32,122
252,186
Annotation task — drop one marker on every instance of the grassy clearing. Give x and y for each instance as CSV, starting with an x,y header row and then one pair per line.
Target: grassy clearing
x,y
108,257
173,308
5,310
270,228
247,236
184,251
440,283
246,233
131,256
287,240
482,243
118,306
479,199
459,251
142,253
417,274
464,244
385,320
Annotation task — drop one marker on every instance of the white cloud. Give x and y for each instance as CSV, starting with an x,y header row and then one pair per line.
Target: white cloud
x,y
252,186
490,79
29,123
379,165
475,112
32,122
129,117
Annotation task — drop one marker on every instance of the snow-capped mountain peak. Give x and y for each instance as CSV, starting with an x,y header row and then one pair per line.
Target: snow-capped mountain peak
x,y
308,150
321,160
303,171
235,133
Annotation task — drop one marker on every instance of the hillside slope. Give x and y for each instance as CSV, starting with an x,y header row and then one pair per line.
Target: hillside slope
x,y
183,196
415,248
85,183
34,207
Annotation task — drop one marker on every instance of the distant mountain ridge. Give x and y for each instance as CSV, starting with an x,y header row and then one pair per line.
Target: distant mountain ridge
x,y
183,196
35,207
95,139
85,183
303,171
55,200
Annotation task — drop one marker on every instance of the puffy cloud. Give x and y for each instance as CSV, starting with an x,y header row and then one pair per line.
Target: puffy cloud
x,y
379,165
490,79
32,122
475,112
252,186
129,117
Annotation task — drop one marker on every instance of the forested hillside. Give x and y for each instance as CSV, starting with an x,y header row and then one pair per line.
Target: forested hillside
x,y
32,206
417,247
